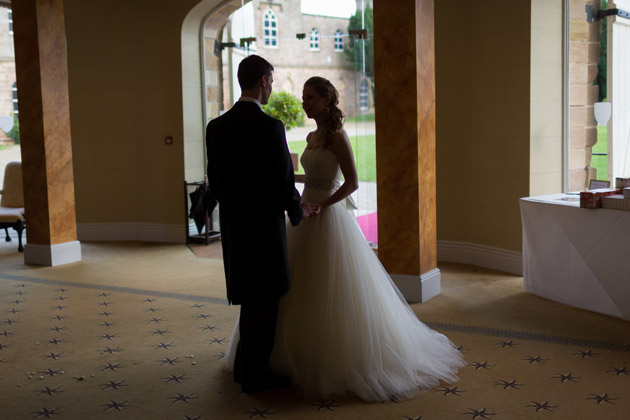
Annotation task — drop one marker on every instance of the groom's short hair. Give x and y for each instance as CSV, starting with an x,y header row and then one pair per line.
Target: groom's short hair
x,y
251,69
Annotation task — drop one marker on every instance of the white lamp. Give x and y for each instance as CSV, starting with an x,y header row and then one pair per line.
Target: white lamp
x,y
602,112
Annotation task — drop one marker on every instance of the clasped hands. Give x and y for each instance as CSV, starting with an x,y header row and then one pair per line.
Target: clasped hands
x,y
310,210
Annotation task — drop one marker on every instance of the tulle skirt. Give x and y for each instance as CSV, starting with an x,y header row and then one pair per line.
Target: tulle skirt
x,y
343,325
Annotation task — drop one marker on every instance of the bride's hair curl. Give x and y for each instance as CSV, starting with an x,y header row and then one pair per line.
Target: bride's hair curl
x,y
334,116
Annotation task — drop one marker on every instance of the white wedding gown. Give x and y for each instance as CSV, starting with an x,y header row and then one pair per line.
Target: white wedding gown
x,y
343,325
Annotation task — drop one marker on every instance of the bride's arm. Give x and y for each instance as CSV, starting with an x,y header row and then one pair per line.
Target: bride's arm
x,y
343,150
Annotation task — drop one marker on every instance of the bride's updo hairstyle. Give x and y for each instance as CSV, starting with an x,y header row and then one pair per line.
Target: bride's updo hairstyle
x,y
334,118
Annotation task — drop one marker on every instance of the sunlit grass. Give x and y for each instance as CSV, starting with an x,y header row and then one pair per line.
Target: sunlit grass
x,y
601,162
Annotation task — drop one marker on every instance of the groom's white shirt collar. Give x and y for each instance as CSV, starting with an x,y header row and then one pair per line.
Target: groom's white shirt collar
x,y
249,99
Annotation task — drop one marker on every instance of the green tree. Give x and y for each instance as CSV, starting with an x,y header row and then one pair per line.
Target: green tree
x,y
14,133
353,49
285,107
602,65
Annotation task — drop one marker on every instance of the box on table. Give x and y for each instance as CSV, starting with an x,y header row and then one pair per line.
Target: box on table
x,y
593,199
615,201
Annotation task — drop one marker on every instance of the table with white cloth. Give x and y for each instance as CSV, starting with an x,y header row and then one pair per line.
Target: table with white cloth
x,y
577,256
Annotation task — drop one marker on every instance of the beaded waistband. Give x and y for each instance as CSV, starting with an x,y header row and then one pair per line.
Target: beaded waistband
x,y
322,184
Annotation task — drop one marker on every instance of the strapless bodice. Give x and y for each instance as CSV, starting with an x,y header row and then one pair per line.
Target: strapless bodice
x,y
321,168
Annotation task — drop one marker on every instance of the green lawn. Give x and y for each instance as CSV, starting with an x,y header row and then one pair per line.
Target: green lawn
x,y
364,149
601,162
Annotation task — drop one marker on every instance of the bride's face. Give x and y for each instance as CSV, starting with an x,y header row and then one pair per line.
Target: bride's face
x,y
314,104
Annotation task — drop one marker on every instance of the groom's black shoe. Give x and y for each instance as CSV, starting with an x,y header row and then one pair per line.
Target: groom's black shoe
x,y
266,383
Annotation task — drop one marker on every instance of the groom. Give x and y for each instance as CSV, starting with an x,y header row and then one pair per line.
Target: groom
x,y
251,175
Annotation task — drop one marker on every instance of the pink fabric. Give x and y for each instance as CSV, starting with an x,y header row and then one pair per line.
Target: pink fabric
x,y
368,224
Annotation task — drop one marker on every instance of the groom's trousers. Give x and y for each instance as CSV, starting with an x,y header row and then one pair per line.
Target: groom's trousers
x,y
257,325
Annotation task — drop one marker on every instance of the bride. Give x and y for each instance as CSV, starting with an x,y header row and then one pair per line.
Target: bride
x,y
343,325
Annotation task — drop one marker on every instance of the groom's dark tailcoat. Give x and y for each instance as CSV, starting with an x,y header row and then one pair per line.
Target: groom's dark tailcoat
x,y
250,173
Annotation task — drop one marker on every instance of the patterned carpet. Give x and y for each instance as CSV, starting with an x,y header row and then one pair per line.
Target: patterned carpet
x,y
74,350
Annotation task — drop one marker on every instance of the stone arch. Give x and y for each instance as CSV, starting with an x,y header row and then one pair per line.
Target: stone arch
x,y
202,92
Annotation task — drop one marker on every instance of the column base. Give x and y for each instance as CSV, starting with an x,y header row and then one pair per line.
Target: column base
x,y
52,255
419,288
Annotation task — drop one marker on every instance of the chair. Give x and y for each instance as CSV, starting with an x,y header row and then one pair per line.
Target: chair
x,y
12,202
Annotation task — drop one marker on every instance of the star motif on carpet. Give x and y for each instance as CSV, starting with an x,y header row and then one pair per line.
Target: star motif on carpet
x,y
169,361
160,332
447,391
218,340
44,412
56,341
163,346
106,314
60,307
479,414
103,294
108,336
51,372
505,344
16,302
209,328
327,405
220,356
62,298
109,350
154,310
113,385
175,378
49,391
393,398
535,359
568,377
183,398
191,418
107,324
3,346
59,317
57,329
14,311
111,366
156,320
602,399
6,333
510,384
619,371
149,300
22,285
116,405
21,293
10,322
541,406
585,354
255,412
62,290
53,356
482,365
106,304
203,316
413,418
197,306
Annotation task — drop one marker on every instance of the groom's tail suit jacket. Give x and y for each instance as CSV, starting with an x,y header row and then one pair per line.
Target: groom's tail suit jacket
x,y
251,175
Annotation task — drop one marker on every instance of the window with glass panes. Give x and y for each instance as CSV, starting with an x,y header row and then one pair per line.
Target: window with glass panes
x,y
314,40
338,41
363,94
270,30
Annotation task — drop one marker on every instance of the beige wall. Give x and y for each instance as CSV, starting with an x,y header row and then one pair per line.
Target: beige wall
x,y
546,127
125,83
483,114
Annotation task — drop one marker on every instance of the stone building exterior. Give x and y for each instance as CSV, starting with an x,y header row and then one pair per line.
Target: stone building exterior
x,y
320,52
584,47
7,64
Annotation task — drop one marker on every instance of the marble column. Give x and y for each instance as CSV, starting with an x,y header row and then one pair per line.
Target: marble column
x,y
44,113
404,76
